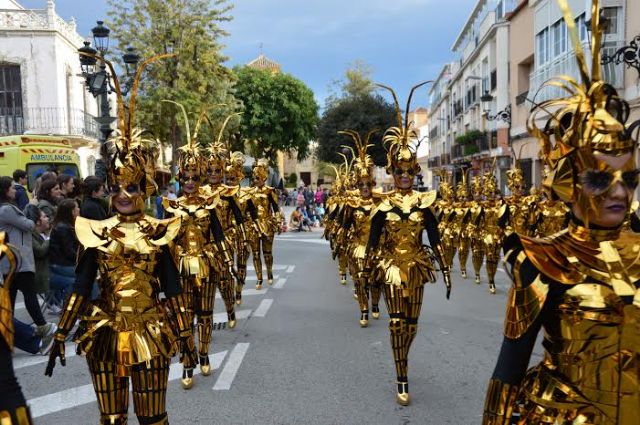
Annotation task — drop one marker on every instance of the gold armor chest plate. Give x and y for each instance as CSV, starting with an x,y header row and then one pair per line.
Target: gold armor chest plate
x,y
362,225
261,202
403,235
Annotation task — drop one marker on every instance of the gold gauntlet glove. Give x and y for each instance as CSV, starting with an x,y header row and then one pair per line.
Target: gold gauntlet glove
x,y
500,403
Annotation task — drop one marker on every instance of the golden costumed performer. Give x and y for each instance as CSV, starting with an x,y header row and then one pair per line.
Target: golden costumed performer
x,y
234,174
128,334
13,406
231,219
200,249
265,200
494,220
357,224
462,223
402,263
446,214
581,284
474,229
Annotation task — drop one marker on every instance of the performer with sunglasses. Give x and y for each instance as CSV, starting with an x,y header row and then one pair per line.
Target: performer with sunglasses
x,y
402,263
356,228
265,200
581,284
494,220
128,333
201,251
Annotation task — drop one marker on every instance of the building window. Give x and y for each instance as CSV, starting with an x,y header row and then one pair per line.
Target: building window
x,y
612,15
559,31
582,28
11,114
542,47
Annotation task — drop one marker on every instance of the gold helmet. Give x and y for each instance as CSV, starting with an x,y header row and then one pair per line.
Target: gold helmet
x,y
219,150
462,193
132,157
489,184
515,176
362,164
589,120
235,168
401,139
446,188
476,186
260,170
191,160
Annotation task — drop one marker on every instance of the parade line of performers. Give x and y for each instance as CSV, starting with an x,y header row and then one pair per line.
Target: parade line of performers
x,y
570,249
157,278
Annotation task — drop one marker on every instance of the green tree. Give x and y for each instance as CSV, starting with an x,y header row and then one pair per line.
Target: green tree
x,y
196,77
357,82
280,113
362,114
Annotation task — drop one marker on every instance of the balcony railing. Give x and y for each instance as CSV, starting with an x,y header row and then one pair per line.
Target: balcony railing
x,y
58,121
567,65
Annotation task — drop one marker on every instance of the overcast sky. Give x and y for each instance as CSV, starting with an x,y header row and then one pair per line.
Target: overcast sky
x,y
404,41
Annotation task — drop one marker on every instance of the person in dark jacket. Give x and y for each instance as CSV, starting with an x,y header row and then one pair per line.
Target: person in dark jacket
x,y
63,248
40,243
19,182
48,197
91,204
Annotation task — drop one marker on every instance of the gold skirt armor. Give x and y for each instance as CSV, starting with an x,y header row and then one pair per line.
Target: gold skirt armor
x,y
404,265
200,254
476,240
265,200
357,224
581,286
494,219
462,224
128,334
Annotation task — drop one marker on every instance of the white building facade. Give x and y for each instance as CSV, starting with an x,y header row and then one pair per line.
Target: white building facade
x,y
41,89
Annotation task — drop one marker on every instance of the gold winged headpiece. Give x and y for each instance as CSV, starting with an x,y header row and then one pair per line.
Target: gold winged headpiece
x,y
402,138
219,150
515,176
235,168
462,193
362,163
589,120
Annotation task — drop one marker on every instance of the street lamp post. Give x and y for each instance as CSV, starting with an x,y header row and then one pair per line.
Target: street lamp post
x,y
98,83
503,115
628,54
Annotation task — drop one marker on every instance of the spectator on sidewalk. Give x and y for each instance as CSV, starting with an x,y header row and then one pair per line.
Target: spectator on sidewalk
x,y
48,197
18,228
40,243
67,184
20,183
63,249
93,194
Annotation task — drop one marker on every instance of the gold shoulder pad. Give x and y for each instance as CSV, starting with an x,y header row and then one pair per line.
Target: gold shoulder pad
x,y
93,233
525,301
165,230
428,198
547,256
230,190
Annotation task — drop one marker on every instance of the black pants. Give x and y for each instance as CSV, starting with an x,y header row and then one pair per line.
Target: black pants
x,y
12,397
25,283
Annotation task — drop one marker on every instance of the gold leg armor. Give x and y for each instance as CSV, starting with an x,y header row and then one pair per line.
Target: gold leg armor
x,y
21,416
376,291
112,392
267,249
241,261
493,256
477,255
463,255
257,260
227,293
149,390
205,298
500,403
343,263
363,300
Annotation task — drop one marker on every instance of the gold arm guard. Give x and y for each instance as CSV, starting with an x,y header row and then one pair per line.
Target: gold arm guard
x,y
524,303
70,313
178,306
500,403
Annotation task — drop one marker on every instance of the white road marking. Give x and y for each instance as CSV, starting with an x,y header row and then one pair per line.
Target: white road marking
x,y
228,374
280,283
19,306
291,269
275,267
316,241
248,292
263,308
84,394
27,360
502,270
240,315
255,278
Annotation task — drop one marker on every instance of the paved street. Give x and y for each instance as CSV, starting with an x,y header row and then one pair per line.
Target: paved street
x,y
298,356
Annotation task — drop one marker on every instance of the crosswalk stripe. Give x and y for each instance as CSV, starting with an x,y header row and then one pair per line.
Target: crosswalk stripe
x,y
263,308
280,283
228,374
84,394
291,269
